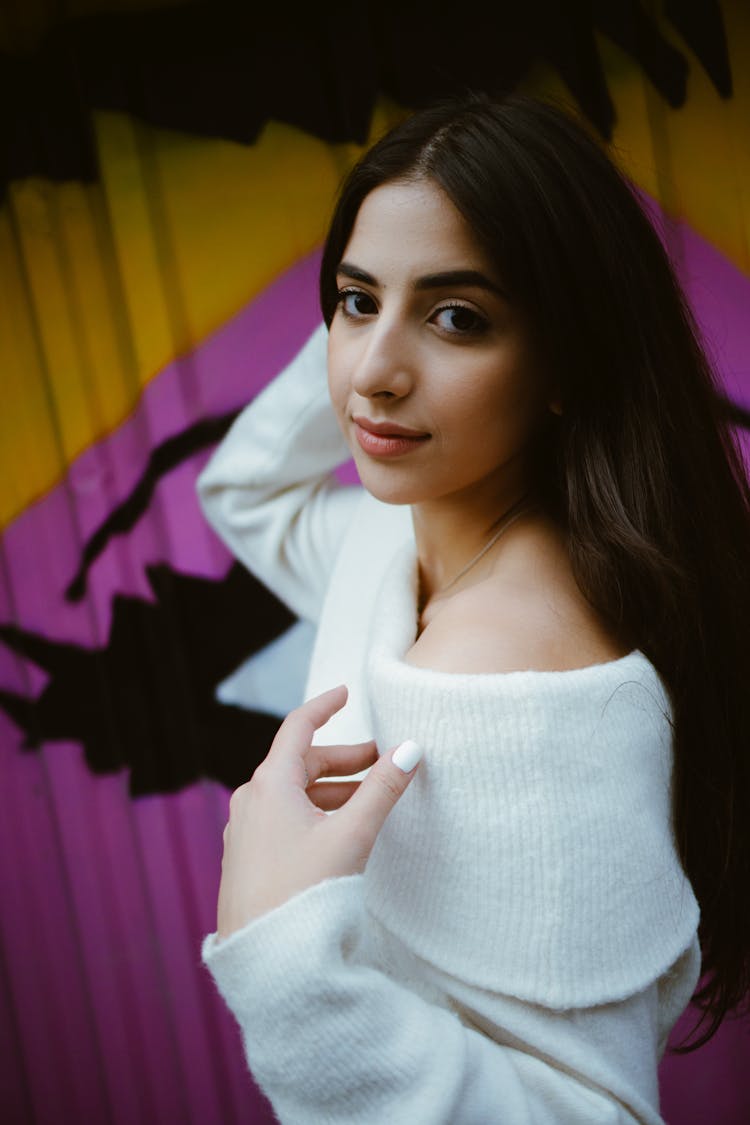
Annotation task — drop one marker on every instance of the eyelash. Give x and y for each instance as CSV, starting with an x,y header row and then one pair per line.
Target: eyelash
x,y
479,327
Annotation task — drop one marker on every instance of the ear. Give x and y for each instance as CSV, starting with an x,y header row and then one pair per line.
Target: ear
x,y
555,406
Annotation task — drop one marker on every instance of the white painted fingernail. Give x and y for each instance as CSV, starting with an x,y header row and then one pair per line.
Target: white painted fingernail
x,y
407,755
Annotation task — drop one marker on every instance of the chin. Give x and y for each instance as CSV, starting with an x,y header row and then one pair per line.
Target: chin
x,y
391,495
387,491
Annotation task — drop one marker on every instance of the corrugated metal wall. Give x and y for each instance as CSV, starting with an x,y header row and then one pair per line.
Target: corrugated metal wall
x,y
135,305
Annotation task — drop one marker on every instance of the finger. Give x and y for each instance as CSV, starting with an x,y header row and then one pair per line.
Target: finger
x,y
330,795
330,761
379,791
295,734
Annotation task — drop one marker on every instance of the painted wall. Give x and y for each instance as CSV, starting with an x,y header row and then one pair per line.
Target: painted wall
x,y
152,279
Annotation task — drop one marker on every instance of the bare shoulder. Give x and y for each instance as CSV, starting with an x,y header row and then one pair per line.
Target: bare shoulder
x,y
526,615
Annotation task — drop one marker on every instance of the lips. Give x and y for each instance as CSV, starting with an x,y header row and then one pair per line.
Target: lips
x,y
389,444
387,429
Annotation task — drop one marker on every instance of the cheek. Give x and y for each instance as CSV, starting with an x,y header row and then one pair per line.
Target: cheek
x,y
337,388
498,409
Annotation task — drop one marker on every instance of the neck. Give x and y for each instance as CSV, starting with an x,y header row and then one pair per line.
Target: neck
x,y
450,531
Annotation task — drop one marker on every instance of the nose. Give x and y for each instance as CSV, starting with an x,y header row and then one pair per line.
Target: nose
x,y
385,364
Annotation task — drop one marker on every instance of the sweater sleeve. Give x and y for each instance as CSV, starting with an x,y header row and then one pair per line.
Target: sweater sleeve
x,y
269,490
332,1038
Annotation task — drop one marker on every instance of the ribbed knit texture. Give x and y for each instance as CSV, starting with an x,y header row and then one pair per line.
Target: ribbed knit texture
x,y
333,1039
536,831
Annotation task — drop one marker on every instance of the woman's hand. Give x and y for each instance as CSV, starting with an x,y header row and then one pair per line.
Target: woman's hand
x,y
278,839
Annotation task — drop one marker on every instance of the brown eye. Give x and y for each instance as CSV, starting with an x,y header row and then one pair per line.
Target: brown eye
x,y
355,303
460,320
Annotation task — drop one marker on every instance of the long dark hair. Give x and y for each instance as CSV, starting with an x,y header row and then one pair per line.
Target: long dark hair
x,y
641,469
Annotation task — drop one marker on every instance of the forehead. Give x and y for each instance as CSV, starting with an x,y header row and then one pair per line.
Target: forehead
x,y
413,229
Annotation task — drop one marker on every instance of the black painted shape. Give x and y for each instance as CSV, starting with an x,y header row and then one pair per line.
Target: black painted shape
x,y
628,25
225,69
167,455
421,58
146,701
702,28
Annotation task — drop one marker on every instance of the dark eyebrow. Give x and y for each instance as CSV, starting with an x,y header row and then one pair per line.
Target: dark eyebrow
x,y
460,277
448,278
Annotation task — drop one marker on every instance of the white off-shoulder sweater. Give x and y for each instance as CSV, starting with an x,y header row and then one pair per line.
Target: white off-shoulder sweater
x,y
523,938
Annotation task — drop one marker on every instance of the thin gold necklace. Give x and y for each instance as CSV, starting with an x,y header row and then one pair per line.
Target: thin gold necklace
x,y
508,518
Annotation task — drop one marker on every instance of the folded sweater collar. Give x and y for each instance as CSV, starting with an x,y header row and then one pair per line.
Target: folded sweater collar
x,y
532,854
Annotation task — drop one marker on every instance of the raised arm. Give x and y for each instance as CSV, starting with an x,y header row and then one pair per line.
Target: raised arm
x,y
269,490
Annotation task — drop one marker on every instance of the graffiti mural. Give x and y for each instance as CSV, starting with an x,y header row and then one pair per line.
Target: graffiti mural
x,y
167,179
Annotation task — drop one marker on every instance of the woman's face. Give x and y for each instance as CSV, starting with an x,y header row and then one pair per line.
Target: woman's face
x,y
423,337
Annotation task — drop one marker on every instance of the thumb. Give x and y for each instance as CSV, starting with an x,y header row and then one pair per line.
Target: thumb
x,y
379,791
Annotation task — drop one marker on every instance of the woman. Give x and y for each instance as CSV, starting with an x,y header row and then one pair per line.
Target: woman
x,y
542,587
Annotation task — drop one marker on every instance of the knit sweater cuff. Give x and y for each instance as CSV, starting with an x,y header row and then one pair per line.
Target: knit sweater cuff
x,y
257,969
